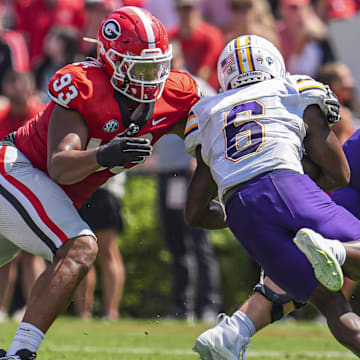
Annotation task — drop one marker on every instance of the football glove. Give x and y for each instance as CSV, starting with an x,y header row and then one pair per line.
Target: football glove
x,y
123,150
331,107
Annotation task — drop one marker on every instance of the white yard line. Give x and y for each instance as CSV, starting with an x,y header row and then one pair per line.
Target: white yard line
x,y
251,353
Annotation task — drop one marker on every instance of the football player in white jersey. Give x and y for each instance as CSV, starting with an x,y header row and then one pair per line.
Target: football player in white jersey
x,y
253,142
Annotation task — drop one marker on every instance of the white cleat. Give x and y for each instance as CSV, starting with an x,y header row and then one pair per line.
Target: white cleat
x,y
222,342
318,251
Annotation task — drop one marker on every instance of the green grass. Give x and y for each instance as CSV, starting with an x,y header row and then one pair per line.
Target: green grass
x,y
74,339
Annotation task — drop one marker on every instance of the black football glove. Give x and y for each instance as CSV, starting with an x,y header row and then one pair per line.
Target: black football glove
x,y
331,106
122,150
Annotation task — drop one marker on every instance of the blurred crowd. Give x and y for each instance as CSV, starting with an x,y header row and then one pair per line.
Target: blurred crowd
x,y
37,37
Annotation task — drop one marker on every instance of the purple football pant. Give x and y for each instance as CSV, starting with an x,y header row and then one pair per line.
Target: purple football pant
x,y
349,198
266,212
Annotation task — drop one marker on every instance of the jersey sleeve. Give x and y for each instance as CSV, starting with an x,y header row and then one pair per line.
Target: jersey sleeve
x,y
182,91
310,91
70,87
192,133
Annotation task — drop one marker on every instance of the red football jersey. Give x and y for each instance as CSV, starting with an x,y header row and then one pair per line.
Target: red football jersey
x,y
85,87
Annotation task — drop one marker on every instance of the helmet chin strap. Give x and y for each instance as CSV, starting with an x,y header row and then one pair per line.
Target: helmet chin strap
x,y
135,121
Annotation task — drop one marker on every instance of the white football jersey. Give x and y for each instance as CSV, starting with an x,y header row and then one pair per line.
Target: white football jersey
x,y
252,129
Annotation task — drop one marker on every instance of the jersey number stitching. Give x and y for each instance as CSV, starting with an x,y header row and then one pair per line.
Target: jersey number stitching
x,y
244,134
68,94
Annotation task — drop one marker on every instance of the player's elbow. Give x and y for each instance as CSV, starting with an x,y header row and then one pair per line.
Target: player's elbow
x,y
344,174
57,177
192,218
60,176
338,180
343,178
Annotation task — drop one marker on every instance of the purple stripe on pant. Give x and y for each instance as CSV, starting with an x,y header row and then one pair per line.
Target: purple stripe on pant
x,y
266,212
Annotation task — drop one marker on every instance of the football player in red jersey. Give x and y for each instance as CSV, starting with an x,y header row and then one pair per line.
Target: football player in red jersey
x,y
104,116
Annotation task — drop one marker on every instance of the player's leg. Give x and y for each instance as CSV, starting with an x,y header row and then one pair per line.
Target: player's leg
x,y
38,217
342,321
351,266
209,297
270,244
261,309
52,293
8,276
335,222
103,213
54,288
112,272
84,298
31,268
174,230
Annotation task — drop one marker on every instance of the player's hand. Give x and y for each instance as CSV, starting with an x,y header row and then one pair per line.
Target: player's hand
x,y
122,150
332,106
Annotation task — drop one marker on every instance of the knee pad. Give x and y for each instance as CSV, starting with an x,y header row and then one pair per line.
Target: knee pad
x,y
278,301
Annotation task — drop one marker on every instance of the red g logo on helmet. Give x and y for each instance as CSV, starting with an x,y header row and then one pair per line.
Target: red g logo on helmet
x,y
111,30
134,50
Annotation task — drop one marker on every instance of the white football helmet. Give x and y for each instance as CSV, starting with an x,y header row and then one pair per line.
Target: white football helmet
x,y
248,59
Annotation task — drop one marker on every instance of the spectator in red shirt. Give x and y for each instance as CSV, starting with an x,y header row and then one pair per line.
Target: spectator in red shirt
x,y
19,105
22,104
201,42
13,50
35,17
337,9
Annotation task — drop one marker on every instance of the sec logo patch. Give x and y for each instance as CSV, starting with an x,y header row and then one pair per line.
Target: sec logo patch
x,y
111,126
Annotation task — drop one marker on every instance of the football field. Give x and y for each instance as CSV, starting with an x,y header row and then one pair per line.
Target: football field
x,y
75,339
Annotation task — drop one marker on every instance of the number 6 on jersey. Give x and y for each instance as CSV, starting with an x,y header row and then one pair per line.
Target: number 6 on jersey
x,y
244,134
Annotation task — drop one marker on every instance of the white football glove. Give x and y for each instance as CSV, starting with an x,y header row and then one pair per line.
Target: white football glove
x,y
331,107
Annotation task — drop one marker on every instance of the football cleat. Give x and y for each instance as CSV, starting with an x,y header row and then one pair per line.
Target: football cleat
x,y
319,252
23,354
222,342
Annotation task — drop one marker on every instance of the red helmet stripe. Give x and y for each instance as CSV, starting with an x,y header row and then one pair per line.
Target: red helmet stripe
x,y
147,24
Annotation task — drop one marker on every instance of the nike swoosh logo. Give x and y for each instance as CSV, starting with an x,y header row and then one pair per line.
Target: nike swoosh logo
x,y
155,122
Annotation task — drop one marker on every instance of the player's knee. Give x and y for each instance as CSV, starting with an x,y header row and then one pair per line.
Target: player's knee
x,y
83,252
282,304
349,335
89,251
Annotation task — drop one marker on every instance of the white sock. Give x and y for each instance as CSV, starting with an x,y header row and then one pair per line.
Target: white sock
x,y
28,337
245,325
338,249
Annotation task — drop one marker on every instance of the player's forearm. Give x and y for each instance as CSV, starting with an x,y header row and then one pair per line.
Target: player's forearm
x,y
69,167
329,183
324,179
210,217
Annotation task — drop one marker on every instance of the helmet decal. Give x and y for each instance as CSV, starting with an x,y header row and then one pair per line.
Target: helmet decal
x,y
269,60
134,51
111,30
